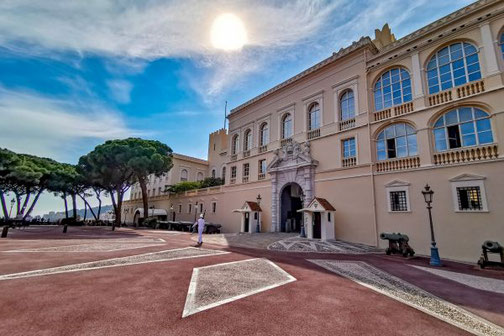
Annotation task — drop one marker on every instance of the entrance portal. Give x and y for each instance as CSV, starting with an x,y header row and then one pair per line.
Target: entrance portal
x,y
290,200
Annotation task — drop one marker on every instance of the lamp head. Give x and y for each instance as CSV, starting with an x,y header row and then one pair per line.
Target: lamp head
x,y
427,193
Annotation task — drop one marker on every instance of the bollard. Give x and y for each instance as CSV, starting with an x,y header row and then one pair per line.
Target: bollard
x,y
4,231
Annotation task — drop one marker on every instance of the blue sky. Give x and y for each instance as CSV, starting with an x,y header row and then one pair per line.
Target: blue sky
x,y
73,74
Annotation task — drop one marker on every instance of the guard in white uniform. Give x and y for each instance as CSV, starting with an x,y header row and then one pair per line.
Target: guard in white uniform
x,y
201,225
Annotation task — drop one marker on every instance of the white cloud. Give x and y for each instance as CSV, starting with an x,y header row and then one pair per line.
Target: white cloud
x,y
53,127
120,90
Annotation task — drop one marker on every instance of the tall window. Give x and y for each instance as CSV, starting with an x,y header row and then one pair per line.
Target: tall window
x,y
286,126
393,88
397,141
314,116
501,42
183,175
349,148
262,166
452,66
246,169
463,127
247,140
398,200
223,174
234,145
199,176
263,134
233,172
347,105
213,173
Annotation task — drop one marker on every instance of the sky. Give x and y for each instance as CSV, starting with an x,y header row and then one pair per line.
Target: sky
x,y
76,73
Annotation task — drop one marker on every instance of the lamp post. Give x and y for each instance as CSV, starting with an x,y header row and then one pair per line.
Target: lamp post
x,y
11,206
258,199
302,233
427,194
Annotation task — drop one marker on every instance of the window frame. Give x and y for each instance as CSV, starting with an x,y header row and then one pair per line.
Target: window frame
x,y
465,182
380,86
246,169
182,178
342,98
435,56
235,144
282,125
314,108
395,137
260,166
247,140
264,134
460,134
343,147
398,187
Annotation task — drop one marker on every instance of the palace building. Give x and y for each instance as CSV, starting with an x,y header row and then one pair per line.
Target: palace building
x,y
346,146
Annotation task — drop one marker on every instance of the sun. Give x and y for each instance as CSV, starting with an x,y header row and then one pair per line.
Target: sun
x,y
228,32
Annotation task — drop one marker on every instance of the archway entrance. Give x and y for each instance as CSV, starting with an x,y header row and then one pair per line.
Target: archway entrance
x,y
290,203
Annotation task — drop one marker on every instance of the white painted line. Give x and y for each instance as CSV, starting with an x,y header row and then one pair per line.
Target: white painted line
x,y
189,308
28,275
45,249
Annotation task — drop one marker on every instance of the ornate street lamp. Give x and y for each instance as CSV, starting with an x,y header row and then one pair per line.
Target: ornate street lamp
x,y
302,233
258,199
434,260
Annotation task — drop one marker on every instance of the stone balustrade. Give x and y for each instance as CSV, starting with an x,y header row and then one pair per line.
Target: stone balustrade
x,y
261,176
246,153
383,114
347,124
403,108
471,89
349,162
467,154
398,164
313,134
263,148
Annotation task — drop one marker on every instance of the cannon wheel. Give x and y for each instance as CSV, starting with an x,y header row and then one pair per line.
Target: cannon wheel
x,y
388,251
481,263
412,253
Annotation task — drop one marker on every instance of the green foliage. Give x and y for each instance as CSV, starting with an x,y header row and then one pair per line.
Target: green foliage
x,y
185,186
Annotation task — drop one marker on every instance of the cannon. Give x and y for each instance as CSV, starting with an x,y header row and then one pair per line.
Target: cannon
x,y
398,243
491,247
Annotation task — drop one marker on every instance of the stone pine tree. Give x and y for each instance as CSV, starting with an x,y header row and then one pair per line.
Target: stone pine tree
x,y
149,157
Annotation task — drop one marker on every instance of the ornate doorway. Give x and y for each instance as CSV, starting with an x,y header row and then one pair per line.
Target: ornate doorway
x,y
292,173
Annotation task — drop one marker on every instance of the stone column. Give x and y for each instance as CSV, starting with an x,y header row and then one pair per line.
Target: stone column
x,y
417,76
274,203
491,65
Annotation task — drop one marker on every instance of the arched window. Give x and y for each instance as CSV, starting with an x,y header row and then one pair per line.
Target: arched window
x,y
501,42
347,105
247,140
393,88
234,145
314,116
213,173
223,174
286,126
264,134
199,176
183,175
463,127
396,141
452,66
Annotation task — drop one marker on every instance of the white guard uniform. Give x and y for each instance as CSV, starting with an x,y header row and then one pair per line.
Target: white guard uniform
x,y
201,225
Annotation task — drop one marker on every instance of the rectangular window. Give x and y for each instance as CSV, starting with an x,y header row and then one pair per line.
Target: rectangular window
x,y
180,208
398,200
262,166
233,172
189,209
454,136
391,148
159,191
201,207
349,148
214,207
469,198
246,169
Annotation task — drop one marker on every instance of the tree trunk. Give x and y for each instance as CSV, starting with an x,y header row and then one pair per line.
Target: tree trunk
x,y
32,206
114,205
25,203
89,206
143,186
97,193
18,204
66,205
4,205
85,211
74,206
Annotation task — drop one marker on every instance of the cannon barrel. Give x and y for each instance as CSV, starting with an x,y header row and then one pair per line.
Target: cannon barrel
x,y
393,236
492,246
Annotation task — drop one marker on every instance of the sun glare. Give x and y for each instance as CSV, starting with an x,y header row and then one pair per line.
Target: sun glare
x,y
228,32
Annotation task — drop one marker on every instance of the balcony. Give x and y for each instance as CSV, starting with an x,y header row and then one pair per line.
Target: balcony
x,y
394,111
313,134
261,176
234,157
246,153
468,154
245,179
349,162
263,149
458,92
347,124
398,164
286,141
